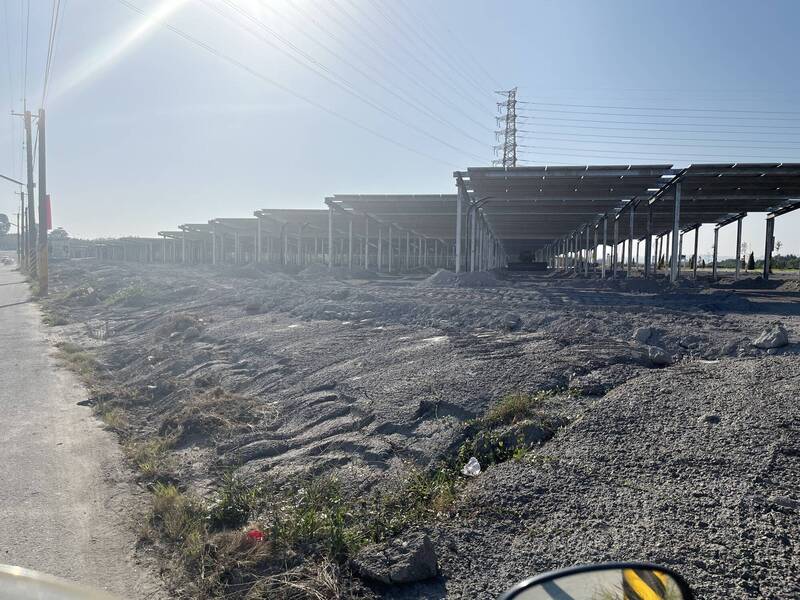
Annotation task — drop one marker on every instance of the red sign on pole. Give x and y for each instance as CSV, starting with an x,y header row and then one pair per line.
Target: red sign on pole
x,y
48,211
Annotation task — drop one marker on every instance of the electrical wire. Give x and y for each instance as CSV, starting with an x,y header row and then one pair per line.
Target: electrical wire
x,y
331,77
535,133
676,109
640,116
778,127
51,47
406,99
662,145
439,77
368,40
244,67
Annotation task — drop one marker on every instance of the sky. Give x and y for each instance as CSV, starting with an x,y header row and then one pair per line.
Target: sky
x,y
161,112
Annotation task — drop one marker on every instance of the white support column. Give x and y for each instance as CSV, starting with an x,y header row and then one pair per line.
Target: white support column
x,y
380,249
586,262
408,249
630,240
676,227
738,247
459,218
366,243
390,249
350,243
214,244
615,249
330,237
714,256
258,240
694,260
605,245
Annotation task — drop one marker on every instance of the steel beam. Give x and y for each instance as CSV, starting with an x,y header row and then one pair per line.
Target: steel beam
x,y
676,227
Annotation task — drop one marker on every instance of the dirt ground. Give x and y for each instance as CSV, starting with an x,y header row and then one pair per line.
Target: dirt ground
x,y
693,463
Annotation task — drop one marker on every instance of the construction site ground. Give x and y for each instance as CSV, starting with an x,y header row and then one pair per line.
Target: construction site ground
x,y
681,447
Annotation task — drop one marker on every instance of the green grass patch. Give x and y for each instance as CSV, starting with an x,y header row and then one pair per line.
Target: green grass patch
x,y
151,458
133,295
77,359
515,407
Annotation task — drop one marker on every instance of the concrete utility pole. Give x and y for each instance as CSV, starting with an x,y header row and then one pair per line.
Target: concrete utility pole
x,y
31,237
44,202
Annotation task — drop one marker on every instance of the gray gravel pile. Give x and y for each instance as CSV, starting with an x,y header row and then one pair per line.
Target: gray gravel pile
x,y
673,448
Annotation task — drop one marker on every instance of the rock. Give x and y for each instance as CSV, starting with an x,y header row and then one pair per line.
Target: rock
x,y
658,356
191,333
525,433
690,342
511,322
174,335
785,502
710,418
642,334
406,559
254,308
775,337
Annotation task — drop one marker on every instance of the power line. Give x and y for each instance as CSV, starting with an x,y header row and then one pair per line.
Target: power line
x,y
582,152
368,40
407,99
51,47
332,77
630,137
662,145
442,54
606,114
232,61
437,76
675,109
465,48
778,127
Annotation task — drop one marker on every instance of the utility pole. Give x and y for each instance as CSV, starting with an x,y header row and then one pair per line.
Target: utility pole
x,y
507,122
44,203
31,236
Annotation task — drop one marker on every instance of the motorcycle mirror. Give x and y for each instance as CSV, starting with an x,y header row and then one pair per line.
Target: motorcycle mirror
x,y
609,581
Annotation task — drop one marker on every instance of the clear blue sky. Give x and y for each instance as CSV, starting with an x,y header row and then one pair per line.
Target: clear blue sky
x,y
146,130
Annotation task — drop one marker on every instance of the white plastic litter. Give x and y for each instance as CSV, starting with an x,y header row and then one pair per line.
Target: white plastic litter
x,y
472,468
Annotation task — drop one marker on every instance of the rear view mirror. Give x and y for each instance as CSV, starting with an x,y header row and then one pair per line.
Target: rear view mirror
x,y
612,581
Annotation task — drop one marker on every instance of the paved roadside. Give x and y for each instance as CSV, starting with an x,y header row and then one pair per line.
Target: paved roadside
x,y
65,498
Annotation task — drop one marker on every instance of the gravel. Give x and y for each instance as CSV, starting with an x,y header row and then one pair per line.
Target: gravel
x,y
671,460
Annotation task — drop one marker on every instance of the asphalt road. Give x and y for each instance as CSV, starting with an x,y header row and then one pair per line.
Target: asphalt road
x,y
65,498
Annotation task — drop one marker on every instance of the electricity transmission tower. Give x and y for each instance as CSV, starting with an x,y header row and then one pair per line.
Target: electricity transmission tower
x,y
507,132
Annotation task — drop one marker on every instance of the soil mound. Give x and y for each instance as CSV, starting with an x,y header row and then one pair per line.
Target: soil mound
x,y
478,279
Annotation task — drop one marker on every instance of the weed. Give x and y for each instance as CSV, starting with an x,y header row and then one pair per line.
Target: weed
x,y
53,318
151,457
134,295
114,417
180,518
76,359
235,504
516,407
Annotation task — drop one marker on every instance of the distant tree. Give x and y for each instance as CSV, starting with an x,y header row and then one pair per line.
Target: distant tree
x,y
59,233
751,262
5,224
778,245
702,263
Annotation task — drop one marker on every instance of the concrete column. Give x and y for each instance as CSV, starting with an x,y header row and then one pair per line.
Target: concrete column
x,y
380,248
183,248
680,253
631,226
408,250
258,240
391,253
350,243
285,246
594,251
648,243
366,243
738,247
676,227
459,218
237,248
330,237
615,249
714,259
768,246
605,244
694,260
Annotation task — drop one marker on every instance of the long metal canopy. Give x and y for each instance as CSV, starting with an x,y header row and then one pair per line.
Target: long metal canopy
x,y
529,207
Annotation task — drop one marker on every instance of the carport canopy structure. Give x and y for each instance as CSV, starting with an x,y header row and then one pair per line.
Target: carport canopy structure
x,y
528,208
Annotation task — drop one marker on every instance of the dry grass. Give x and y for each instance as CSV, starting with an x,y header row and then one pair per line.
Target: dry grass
x,y
77,359
151,457
516,407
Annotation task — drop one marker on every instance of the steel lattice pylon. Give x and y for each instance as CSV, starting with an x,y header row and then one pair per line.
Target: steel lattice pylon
x,y
507,122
